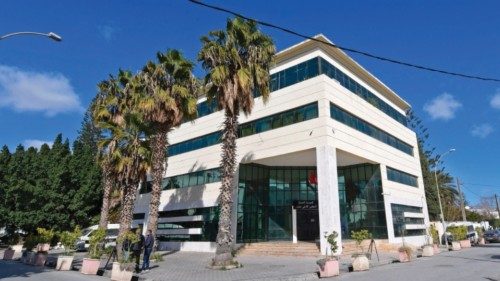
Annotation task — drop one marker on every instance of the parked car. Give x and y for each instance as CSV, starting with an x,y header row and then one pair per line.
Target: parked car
x,y
111,234
492,235
472,234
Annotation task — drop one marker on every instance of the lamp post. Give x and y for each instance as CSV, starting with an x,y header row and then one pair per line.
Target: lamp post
x,y
439,196
50,35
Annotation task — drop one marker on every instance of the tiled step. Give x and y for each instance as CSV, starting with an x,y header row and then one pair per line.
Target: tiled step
x,y
280,249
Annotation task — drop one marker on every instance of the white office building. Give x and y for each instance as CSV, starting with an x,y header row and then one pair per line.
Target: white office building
x,y
331,150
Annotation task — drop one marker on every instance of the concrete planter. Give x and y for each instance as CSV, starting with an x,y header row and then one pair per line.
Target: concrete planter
x,y
404,256
360,263
464,243
90,266
64,263
427,251
455,246
481,241
122,272
40,259
29,258
8,254
329,269
436,249
42,247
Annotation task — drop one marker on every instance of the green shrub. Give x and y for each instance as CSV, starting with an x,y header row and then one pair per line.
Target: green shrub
x,y
157,257
479,231
360,235
127,239
45,235
30,242
434,234
458,232
96,240
332,240
68,239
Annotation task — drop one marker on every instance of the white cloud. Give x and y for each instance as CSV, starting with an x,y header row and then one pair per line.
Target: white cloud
x,y
50,93
495,100
442,107
107,31
36,143
481,131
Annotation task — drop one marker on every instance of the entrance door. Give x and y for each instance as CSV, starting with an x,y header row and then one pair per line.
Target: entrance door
x,y
307,225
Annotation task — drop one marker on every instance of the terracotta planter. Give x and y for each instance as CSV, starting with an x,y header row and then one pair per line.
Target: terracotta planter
x,y
360,263
121,273
330,269
8,254
404,257
436,249
40,259
455,246
90,266
481,241
464,243
427,251
42,247
64,263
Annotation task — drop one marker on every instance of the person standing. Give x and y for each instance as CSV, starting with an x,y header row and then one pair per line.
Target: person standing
x,y
148,248
137,248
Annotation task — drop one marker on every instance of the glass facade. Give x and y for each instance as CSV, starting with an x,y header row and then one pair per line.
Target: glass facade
x,y
400,221
208,224
282,119
359,124
265,197
361,200
186,180
401,177
312,68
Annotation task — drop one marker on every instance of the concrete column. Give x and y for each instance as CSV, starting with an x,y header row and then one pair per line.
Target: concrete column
x,y
294,225
328,196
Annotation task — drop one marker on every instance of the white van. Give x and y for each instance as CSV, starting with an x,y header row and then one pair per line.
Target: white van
x,y
111,234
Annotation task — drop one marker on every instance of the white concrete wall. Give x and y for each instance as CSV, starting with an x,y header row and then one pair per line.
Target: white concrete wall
x,y
302,136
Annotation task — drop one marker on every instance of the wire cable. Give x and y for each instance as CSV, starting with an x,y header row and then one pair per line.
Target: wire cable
x,y
364,53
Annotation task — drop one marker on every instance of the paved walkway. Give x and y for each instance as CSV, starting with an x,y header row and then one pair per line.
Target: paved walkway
x,y
17,271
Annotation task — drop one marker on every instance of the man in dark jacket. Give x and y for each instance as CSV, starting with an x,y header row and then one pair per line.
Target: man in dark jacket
x,y
137,248
148,248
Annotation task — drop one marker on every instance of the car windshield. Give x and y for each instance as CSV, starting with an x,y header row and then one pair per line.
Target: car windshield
x,y
112,232
85,232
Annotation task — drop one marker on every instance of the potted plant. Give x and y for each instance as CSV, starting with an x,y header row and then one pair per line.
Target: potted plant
x,y
405,253
12,241
124,269
329,266
360,260
68,240
480,235
459,234
43,246
435,239
28,255
91,265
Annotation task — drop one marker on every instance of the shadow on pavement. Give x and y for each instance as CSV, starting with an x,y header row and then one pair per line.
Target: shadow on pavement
x,y
18,269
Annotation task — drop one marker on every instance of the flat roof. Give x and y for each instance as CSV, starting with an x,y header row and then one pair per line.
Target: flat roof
x,y
346,61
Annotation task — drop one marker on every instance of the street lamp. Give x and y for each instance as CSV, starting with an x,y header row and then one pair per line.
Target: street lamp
x,y
50,35
439,196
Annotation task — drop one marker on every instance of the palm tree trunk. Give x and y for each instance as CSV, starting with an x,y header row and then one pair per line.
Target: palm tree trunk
x,y
107,183
224,240
126,214
159,156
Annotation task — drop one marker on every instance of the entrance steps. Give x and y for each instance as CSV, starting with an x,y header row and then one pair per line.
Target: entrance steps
x,y
285,248
311,249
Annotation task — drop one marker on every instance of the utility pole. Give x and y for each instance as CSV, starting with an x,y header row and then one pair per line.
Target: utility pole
x,y
498,209
462,207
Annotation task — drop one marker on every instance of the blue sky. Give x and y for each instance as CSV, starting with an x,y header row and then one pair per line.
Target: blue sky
x,y
46,86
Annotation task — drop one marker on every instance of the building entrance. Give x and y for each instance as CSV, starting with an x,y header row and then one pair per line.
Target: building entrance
x,y
307,225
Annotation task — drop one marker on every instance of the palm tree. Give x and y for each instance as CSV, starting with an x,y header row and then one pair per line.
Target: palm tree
x,y
237,61
167,97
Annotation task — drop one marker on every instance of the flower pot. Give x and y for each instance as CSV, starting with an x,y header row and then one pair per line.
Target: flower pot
x,y
121,272
455,246
360,263
436,249
404,256
464,243
90,266
64,262
42,247
329,269
30,258
427,251
8,254
481,241
17,248
40,259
